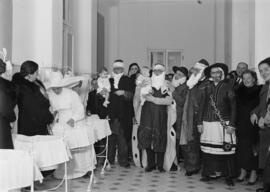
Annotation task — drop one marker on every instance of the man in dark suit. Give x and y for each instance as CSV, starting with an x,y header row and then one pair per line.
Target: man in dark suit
x,y
120,114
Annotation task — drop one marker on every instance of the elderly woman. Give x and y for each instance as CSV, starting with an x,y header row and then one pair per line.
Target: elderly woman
x,y
152,132
33,103
7,104
247,98
259,116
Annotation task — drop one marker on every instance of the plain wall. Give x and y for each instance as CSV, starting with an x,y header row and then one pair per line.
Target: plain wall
x,y
84,25
6,26
37,32
133,27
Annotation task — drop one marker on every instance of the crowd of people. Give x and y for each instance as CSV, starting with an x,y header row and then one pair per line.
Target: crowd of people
x,y
221,119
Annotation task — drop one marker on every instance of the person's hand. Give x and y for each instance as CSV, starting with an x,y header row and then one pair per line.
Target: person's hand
x,y
230,130
261,123
119,92
254,118
200,128
71,122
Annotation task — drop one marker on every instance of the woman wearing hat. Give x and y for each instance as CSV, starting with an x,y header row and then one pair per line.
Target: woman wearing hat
x,y
216,124
179,95
70,123
7,104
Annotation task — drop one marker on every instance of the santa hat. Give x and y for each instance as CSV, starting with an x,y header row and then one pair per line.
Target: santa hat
x,y
118,64
201,64
159,66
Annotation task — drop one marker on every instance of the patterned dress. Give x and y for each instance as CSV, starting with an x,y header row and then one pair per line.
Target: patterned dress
x,y
152,132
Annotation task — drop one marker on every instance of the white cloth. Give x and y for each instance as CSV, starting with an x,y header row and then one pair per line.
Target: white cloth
x,y
159,67
80,138
47,150
116,78
103,83
101,127
194,79
158,80
118,64
17,168
68,105
213,135
83,160
170,153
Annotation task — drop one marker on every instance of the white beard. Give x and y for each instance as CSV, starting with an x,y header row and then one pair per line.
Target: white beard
x,y
158,81
178,82
117,78
193,80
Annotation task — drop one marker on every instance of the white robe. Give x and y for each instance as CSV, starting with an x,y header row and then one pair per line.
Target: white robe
x,y
79,140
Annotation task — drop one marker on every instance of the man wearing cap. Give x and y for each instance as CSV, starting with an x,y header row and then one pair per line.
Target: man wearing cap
x,y
7,104
189,137
120,114
217,125
152,132
179,95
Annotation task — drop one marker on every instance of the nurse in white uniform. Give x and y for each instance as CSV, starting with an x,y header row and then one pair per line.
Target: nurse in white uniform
x,y
70,123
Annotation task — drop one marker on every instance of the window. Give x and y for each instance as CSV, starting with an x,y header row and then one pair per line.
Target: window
x,y
168,57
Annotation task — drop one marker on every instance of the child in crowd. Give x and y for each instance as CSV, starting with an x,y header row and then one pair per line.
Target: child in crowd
x,y
104,86
144,81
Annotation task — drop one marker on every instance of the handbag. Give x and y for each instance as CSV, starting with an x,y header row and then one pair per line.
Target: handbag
x,y
226,146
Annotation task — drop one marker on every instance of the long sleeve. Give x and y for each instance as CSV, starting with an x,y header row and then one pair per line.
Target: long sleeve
x,y
202,105
77,106
91,102
260,110
179,95
232,99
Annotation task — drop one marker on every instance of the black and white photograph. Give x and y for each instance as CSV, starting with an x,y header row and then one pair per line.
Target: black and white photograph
x,y
134,95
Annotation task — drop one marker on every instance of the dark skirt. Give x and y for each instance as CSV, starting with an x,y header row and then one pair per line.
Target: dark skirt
x,y
218,163
5,135
152,132
247,157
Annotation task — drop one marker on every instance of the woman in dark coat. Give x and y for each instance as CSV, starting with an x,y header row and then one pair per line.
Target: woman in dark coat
x,y
7,104
247,134
33,104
